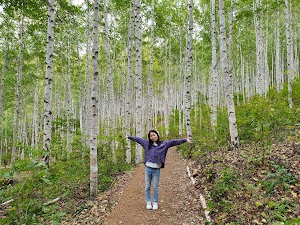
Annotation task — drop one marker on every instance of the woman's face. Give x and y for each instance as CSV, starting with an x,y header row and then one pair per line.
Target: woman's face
x,y
153,137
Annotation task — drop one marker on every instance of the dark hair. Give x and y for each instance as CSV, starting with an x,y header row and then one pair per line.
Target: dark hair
x,y
150,141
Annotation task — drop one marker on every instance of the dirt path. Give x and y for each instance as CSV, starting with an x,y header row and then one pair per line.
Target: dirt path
x,y
178,204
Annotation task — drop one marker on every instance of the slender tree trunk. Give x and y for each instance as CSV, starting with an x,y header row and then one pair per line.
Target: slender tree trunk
x,y
259,54
150,81
69,99
278,69
3,71
138,80
129,90
94,104
180,102
109,77
289,46
214,70
48,84
35,116
231,20
18,93
227,80
189,71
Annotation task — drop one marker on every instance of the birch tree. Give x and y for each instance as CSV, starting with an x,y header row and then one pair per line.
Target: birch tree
x,y
94,104
278,69
48,84
109,77
150,80
3,71
129,90
189,71
35,117
18,92
259,49
227,80
289,52
138,80
69,98
214,71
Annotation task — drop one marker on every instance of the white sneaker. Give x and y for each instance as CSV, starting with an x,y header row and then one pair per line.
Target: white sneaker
x,y
148,206
155,206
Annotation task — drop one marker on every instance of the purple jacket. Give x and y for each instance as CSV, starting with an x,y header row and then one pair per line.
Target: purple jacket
x,y
157,154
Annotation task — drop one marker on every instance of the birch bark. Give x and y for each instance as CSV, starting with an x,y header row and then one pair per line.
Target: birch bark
x,y
129,90
259,54
109,77
69,98
35,117
94,103
150,82
289,56
227,80
3,71
181,79
18,93
48,84
214,71
278,70
138,80
189,71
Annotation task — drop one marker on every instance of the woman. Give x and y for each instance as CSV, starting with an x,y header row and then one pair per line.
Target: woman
x,y
155,156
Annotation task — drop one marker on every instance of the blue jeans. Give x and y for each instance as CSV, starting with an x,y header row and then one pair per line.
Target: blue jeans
x,y
152,174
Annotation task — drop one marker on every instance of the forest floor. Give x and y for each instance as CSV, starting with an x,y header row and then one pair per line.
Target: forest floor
x,y
255,185
125,203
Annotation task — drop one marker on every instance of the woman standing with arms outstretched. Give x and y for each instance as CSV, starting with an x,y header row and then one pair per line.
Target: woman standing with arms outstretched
x,y
155,156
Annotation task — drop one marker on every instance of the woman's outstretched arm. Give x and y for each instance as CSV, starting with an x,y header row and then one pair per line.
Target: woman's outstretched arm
x,y
138,140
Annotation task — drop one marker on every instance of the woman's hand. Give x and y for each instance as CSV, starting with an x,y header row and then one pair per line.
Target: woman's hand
x,y
189,140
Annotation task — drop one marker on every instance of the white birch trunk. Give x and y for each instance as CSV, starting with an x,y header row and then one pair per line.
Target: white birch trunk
x,y
166,108
278,69
181,81
129,90
214,71
150,81
289,56
48,84
94,104
266,67
109,77
259,55
18,93
138,80
189,71
69,98
227,80
3,71
81,95
35,117
230,59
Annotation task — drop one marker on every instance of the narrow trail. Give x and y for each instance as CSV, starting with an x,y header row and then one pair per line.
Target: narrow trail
x,y
178,204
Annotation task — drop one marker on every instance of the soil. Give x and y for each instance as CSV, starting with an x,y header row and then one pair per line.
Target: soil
x,y
178,204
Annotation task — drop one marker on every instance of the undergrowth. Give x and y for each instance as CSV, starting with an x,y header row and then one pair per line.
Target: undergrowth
x,y
32,186
259,183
